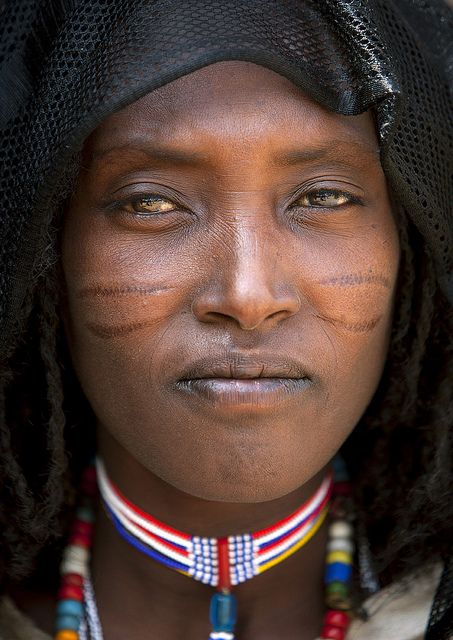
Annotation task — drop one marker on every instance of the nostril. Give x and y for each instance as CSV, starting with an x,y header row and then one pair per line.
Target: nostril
x,y
248,307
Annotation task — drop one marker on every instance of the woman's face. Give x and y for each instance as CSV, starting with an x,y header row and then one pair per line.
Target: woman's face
x,y
230,259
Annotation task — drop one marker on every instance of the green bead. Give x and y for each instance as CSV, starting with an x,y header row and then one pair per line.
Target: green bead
x,y
337,596
86,514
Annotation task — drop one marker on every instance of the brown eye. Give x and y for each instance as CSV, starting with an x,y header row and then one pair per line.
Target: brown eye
x,y
324,198
151,204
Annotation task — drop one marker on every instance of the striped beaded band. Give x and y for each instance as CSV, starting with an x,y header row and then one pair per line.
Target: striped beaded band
x,y
222,562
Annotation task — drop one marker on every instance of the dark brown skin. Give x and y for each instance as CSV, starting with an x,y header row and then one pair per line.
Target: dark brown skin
x,y
225,217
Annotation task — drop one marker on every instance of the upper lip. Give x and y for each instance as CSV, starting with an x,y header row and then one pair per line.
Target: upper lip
x,y
239,366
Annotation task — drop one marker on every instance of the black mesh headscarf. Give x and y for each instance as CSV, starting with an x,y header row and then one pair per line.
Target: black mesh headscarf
x,y
67,64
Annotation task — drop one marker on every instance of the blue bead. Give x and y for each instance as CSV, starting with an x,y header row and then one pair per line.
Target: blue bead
x,y
340,469
337,572
223,612
71,623
70,607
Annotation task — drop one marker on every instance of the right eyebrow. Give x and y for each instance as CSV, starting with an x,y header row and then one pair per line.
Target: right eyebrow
x,y
157,154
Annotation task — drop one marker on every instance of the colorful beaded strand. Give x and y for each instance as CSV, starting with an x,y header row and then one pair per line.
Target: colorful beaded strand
x,y
74,565
339,558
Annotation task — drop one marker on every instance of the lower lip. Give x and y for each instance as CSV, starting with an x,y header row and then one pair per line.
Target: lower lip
x,y
257,393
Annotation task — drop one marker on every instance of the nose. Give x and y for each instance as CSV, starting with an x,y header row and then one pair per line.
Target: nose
x,y
248,286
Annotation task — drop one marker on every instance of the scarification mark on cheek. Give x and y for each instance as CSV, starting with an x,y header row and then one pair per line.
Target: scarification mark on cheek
x,y
117,310
365,326
113,291
356,279
119,330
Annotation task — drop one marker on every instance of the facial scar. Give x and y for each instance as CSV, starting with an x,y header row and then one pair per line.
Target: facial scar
x,y
355,279
355,327
119,330
115,291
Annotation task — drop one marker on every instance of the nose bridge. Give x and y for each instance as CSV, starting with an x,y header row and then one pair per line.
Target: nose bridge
x,y
254,259
248,284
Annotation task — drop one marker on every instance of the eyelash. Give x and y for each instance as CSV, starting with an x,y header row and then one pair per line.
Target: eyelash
x,y
349,198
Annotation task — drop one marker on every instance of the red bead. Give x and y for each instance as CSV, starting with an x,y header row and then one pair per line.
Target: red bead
x,y
342,489
73,579
70,593
336,619
89,474
89,482
80,540
83,528
333,633
224,563
344,508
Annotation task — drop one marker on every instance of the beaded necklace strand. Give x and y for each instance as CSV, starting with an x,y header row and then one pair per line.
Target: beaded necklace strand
x,y
221,563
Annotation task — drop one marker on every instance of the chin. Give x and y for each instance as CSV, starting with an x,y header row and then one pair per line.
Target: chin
x,y
248,485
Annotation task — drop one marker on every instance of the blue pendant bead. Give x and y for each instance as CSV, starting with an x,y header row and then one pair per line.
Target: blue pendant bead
x,y
223,616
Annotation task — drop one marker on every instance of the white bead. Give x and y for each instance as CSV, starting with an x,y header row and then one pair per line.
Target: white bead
x,y
340,529
74,551
340,544
73,566
76,554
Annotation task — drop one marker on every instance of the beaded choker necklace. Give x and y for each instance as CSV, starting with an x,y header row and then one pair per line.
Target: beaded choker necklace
x,y
221,563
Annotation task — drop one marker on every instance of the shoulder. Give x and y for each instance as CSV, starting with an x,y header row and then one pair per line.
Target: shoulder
x,y
401,610
14,625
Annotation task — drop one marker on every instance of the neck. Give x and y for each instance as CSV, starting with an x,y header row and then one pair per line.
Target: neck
x,y
155,601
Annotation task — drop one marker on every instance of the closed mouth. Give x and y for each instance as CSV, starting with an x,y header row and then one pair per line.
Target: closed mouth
x,y
241,367
240,381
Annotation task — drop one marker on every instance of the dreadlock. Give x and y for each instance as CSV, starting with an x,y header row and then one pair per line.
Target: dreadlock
x,y
399,456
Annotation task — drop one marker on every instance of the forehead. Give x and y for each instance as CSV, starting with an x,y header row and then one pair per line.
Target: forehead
x,y
227,101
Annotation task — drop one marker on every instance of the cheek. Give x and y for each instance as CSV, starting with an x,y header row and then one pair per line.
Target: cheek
x,y
350,281
116,285
120,297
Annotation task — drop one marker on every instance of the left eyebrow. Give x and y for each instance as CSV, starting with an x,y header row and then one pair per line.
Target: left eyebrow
x,y
338,151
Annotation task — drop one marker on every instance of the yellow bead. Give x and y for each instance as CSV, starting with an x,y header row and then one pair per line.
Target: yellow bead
x,y
339,556
67,635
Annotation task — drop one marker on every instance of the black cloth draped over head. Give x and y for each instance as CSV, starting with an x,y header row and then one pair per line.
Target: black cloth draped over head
x,y
67,64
